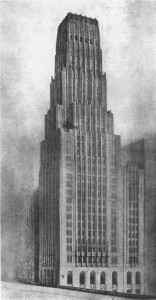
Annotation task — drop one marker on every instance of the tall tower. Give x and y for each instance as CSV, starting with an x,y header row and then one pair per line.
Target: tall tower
x,y
81,238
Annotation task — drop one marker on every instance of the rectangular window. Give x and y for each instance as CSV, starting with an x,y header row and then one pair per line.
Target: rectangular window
x,y
88,124
69,258
69,208
69,248
69,192
69,216
69,224
69,232
69,240
69,200
113,249
114,260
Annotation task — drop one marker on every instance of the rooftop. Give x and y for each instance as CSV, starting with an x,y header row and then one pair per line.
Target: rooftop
x,y
79,18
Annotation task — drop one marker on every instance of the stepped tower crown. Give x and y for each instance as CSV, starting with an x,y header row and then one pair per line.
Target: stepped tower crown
x,y
78,45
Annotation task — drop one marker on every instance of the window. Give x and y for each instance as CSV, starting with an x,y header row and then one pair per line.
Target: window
x,y
69,232
69,200
137,278
69,208
82,278
114,278
92,277
129,278
114,260
88,128
41,277
69,240
86,40
69,258
75,37
69,192
69,224
69,277
102,278
113,249
68,183
69,216
81,39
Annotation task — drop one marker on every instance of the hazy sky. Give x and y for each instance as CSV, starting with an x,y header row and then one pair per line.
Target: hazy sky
x,y
128,42
28,36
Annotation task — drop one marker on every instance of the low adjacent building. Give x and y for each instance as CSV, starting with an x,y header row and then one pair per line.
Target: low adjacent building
x,y
27,236
143,152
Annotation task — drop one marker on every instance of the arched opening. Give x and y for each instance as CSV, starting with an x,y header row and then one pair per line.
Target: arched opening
x,y
69,277
92,278
137,278
102,278
114,278
129,278
82,278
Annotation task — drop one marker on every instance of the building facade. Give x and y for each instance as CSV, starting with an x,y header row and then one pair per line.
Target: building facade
x,y
144,153
132,195
24,213
27,236
90,208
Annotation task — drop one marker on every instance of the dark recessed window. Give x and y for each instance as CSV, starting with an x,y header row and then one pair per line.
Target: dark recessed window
x,y
75,37
86,40
81,39
69,278
114,278
82,278
91,41
137,278
129,278
102,278
92,277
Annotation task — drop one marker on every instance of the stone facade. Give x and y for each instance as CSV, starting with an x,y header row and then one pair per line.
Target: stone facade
x,y
143,152
83,190
27,236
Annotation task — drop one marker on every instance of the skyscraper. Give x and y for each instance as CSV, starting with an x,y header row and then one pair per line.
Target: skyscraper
x,y
83,231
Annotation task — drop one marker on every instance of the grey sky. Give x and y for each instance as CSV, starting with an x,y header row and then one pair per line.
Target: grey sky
x,y
128,42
